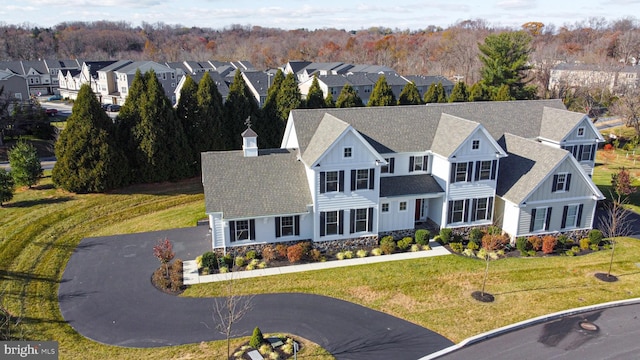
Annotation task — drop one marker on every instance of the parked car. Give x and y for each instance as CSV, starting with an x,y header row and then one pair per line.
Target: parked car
x,y
105,107
51,112
113,108
55,97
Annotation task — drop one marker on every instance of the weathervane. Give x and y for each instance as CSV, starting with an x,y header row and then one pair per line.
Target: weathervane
x,y
248,121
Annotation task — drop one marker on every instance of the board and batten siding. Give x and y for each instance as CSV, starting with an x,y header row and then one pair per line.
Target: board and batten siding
x,y
577,187
395,219
402,163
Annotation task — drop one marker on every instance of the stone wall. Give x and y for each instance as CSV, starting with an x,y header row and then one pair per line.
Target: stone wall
x,y
329,247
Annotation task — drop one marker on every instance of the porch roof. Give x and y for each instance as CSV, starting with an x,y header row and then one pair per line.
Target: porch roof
x,y
408,185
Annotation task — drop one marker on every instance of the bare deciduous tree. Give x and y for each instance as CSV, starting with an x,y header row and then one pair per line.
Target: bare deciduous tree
x,y
230,309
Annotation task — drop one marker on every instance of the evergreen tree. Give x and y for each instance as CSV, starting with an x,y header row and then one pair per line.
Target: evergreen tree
x,y
162,151
188,113
410,95
289,96
128,118
431,96
328,100
205,130
460,93
315,97
270,127
25,164
502,94
88,156
440,93
6,186
478,93
505,59
239,106
348,98
382,94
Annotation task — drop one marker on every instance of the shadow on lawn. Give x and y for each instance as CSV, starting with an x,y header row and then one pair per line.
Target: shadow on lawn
x,y
45,201
22,276
542,288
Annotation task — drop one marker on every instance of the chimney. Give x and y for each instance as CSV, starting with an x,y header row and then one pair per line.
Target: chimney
x,y
249,141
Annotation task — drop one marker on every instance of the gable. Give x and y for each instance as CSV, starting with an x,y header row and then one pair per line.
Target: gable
x,y
349,148
584,130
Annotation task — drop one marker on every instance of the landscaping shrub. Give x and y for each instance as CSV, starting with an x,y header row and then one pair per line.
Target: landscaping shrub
x,y
223,269
387,245
575,249
426,247
199,261
494,242
415,247
531,253
348,254
376,252
210,260
262,265
316,255
160,280
594,247
340,255
548,244
404,243
595,237
251,254
240,261
472,245
256,339
468,252
205,271
228,260
475,236
361,253
562,241
494,230
570,253
445,235
585,243
281,250
295,253
422,236
522,245
536,242
269,254
306,247
456,247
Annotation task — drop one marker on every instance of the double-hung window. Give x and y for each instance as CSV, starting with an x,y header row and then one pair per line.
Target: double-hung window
x,y
361,219
561,182
331,181
331,222
571,216
484,170
461,172
362,179
241,230
287,226
540,219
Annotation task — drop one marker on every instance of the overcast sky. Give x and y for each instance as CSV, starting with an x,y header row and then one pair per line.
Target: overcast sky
x,y
292,14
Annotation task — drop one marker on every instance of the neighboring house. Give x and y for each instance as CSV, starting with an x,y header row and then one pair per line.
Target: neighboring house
x,y
258,83
612,77
70,81
360,173
114,80
223,88
423,83
15,86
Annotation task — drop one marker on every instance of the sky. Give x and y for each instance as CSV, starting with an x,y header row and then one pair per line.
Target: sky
x,y
319,14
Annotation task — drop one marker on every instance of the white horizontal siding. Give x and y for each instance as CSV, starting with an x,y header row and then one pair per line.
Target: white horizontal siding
x,y
470,190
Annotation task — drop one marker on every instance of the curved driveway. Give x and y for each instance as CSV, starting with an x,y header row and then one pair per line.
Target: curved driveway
x,y
107,296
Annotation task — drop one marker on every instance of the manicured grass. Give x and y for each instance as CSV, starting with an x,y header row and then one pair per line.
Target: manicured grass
x,y
40,228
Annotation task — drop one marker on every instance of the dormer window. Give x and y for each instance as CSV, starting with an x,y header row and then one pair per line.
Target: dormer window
x,y
475,145
348,152
580,132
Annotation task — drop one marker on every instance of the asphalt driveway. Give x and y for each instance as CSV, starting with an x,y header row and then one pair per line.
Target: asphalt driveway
x,y
106,295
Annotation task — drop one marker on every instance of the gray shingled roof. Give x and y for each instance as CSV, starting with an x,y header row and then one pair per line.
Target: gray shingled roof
x,y
329,129
413,128
556,123
272,183
528,164
408,185
451,133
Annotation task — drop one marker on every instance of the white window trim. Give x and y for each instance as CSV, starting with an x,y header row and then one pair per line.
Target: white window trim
x,y
541,211
579,130
360,220
564,176
473,143
283,226
327,223
466,172
362,179
327,181
485,209
384,207
400,206
416,160
573,224
454,211
347,150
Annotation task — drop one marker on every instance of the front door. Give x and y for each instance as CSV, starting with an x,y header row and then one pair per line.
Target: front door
x,y
418,210
422,206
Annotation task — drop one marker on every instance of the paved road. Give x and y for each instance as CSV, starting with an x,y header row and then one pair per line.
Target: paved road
x,y
106,295
616,337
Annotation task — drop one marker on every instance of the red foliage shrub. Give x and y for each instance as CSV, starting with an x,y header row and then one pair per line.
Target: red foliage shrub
x,y
492,242
269,254
295,253
608,147
548,244
281,250
536,242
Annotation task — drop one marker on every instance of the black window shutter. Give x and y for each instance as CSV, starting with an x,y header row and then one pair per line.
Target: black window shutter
x,y
555,182
392,162
370,220
568,182
341,181
494,168
580,153
469,170
278,234
352,223
411,160
533,219
425,160
341,222
466,209
322,223
548,220
579,220
322,184
450,212
490,208
574,151
477,176
452,176
593,152
232,231
353,180
252,229
474,207
564,217
372,178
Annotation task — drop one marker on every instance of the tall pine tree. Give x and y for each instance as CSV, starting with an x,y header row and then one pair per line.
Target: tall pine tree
x,y
289,96
460,93
209,120
382,94
410,95
348,98
239,106
315,97
478,92
128,118
328,100
88,156
270,127
188,113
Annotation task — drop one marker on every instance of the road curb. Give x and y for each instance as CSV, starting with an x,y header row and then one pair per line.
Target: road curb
x,y
526,323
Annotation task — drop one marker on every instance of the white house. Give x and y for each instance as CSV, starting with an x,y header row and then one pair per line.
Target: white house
x,y
358,173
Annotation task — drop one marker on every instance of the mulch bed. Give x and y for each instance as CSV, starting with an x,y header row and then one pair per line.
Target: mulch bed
x,y
606,277
482,297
